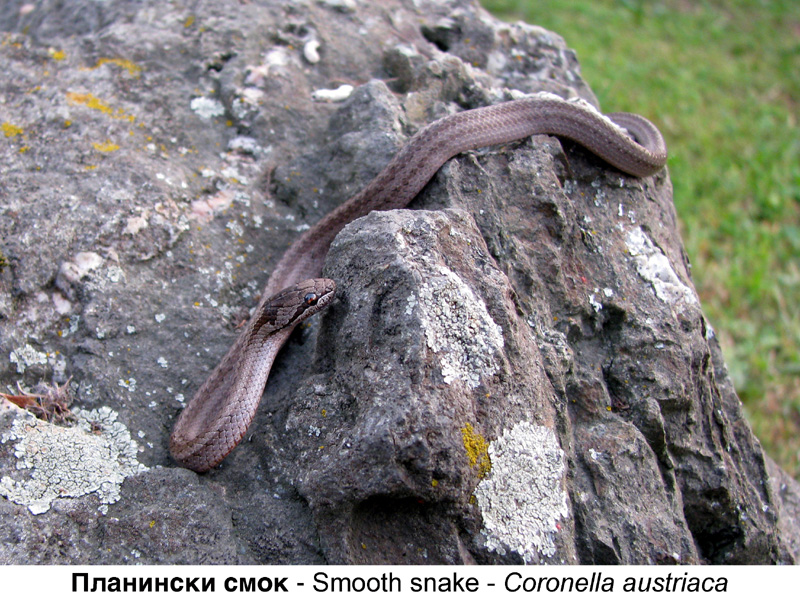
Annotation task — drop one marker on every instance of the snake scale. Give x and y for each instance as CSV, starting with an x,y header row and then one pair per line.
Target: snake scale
x,y
217,417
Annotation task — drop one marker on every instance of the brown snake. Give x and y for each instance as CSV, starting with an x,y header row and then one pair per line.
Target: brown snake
x,y
216,418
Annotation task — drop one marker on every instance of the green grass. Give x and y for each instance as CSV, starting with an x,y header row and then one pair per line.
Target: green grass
x,y
722,81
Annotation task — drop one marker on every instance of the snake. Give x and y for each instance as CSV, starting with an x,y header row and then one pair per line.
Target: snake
x,y
216,418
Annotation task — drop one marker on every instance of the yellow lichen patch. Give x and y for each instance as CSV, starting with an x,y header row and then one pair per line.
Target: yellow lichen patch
x,y
57,54
189,21
95,103
89,100
477,450
11,130
106,146
126,64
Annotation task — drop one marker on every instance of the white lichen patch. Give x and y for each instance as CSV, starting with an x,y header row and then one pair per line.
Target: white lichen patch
x,y
246,145
207,108
458,328
654,267
128,384
596,304
311,51
27,356
342,5
523,499
94,456
235,228
337,95
233,174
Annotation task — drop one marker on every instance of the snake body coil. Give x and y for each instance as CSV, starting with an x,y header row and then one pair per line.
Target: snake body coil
x,y
216,418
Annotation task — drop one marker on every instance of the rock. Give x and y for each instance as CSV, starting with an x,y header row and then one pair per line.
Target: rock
x,y
518,369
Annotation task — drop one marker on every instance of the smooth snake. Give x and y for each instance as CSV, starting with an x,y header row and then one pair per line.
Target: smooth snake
x,y
217,417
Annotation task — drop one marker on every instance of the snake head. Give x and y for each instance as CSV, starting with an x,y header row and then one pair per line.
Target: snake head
x,y
317,294
294,304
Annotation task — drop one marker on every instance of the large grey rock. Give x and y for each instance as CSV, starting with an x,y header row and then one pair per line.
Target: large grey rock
x,y
519,369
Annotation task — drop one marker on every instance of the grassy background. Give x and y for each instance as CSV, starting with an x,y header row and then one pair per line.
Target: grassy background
x,y
721,79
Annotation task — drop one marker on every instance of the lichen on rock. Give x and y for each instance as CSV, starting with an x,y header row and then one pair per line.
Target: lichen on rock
x,y
477,450
94,456
523,497
459,329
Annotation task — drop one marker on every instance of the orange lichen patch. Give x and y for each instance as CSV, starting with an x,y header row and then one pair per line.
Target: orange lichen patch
x,y
90,101
10,130
95,103
106,146
126,64
477,450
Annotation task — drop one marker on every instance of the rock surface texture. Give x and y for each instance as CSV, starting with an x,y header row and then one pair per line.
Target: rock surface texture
x,y
516,370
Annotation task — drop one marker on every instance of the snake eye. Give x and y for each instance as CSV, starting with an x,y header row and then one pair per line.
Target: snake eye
x,y
310,299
